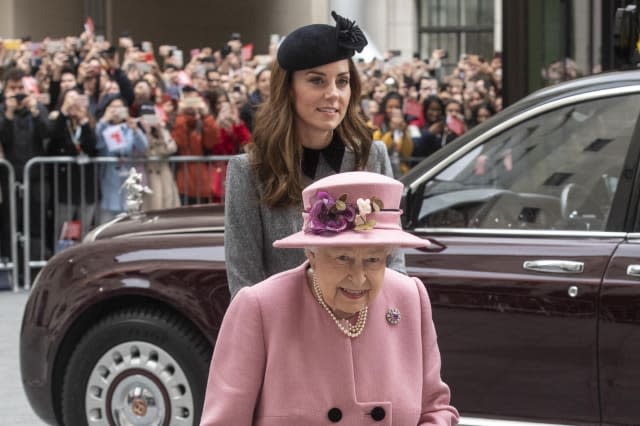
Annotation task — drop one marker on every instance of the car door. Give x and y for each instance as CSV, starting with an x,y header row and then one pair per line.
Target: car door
x,y
524,220
619,331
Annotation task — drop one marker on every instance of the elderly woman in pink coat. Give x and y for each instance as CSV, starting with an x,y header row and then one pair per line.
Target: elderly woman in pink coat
x,y
341,338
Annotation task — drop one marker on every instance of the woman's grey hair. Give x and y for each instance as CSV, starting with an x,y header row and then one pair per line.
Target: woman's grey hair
x,y
314,249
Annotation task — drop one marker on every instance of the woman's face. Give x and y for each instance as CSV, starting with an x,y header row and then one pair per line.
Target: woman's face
x,y
483,114
453,108
434,112
379,92
263,83
349,278
113,107
142,91
392,104
321,97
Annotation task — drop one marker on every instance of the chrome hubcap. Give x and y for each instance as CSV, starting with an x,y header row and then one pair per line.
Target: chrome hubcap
x,y
135,384
137,400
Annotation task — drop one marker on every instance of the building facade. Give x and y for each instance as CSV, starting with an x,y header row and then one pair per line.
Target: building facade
x,y
544,41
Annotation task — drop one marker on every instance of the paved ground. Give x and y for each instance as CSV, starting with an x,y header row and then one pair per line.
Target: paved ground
x,y
14,408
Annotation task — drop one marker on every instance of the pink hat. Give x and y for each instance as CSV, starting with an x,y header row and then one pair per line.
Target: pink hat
x,y
352,209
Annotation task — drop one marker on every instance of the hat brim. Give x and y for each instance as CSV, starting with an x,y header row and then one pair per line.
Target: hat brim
x,y
380,237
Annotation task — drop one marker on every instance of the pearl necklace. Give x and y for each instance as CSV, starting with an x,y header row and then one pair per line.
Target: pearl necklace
x,y
352,330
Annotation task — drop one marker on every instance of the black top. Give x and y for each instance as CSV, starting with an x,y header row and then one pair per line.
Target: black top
x,y
332,154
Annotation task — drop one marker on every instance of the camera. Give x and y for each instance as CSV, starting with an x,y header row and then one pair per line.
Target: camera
x,y
20,97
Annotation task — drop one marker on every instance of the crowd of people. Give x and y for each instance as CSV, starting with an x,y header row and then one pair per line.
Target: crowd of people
x,y
84,96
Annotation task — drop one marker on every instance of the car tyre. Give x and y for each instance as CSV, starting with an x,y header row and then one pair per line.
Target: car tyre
x,y
137,366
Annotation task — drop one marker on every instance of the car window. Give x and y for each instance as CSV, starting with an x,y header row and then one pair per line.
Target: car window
x,y
556,171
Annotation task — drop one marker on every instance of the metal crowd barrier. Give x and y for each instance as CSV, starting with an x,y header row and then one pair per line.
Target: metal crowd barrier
x,y
9,261
40,194
47,187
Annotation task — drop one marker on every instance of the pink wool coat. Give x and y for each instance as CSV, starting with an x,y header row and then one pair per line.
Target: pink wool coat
x,y
281,360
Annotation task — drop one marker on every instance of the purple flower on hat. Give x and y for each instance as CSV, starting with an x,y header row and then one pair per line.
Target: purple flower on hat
x,y
329,215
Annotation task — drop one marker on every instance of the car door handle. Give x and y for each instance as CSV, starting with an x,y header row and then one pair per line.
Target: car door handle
x,y
555,266
633,270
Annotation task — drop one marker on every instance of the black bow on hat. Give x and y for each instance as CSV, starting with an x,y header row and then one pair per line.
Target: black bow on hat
x,y
319,44
350,35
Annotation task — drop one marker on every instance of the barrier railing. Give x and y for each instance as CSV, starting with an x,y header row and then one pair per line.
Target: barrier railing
x,y
42,213
9,261
42,185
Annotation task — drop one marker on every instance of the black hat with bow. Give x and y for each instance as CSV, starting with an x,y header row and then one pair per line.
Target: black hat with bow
x,y
319,44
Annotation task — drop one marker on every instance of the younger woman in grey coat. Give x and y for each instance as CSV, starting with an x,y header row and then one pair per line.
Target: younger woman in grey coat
x,y
308,129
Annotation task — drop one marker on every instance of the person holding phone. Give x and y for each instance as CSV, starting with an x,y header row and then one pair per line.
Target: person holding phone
x,y
309,128
24,129
257,97
396,133
435,134
234,134
73,134
118,135
164,192
455,117
196,133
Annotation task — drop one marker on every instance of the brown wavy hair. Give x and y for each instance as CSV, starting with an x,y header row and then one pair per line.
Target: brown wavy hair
x,y
276,155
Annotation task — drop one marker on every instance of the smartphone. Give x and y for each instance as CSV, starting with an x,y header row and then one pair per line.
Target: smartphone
x,y
192,102
178,58
146,46
274,39
121,113
99,38
143,67
150,119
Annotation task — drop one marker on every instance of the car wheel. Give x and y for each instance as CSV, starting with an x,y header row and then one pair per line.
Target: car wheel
x,y
136,367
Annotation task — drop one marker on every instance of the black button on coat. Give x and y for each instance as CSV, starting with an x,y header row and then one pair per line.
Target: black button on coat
x,y
335,415
378,414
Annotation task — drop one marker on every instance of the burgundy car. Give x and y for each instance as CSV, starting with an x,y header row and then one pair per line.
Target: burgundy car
x,y
534,276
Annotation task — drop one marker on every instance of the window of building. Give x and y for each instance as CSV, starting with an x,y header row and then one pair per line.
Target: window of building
x,y
457,26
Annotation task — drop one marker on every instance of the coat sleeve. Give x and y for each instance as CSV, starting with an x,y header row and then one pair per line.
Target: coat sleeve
x,y
163,145
210,134
88,141
101,144
243,242
436,397
140,143
238,365
180,135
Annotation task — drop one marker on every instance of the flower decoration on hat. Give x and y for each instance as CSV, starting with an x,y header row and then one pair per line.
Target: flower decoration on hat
x,y
328,214
350,36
